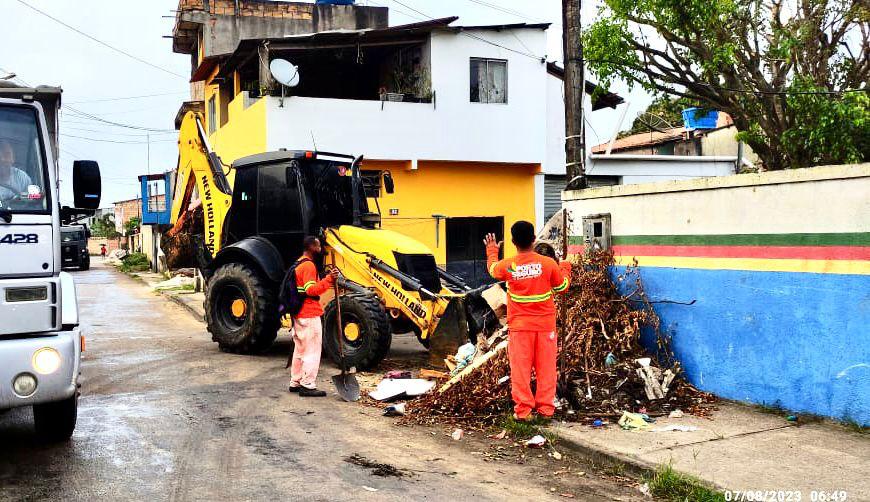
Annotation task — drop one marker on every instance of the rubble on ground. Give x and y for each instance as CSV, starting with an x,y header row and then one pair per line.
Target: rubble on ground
x,y
606,369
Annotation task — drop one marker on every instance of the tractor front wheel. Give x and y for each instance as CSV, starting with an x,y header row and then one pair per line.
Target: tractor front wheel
x,y
241,310
365,332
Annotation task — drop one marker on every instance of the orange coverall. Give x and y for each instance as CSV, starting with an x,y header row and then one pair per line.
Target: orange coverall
x,y
531,315
307,327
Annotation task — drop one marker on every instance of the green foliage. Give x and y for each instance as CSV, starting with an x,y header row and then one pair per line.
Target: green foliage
x,y
668,484
663,110
135,262
132,225
104,226
779,71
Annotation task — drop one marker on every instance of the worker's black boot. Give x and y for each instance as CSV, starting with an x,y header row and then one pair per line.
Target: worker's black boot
x,y
306,392
294,388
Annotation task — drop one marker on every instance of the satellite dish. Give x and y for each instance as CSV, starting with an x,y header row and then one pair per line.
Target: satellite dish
x,y
284,72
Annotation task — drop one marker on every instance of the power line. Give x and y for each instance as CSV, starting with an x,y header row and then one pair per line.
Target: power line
x,y
505,10
88,116
117,142
82,33
126,98
82,129
476,37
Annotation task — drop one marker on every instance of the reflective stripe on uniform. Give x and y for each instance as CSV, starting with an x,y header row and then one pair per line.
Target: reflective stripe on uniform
x,y
561,287
530,298
307,285
492,268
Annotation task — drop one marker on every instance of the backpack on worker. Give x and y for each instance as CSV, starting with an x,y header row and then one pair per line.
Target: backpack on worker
x,y
290,299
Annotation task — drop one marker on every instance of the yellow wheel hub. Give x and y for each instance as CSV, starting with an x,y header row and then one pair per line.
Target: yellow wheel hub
x,y
351,331
238,308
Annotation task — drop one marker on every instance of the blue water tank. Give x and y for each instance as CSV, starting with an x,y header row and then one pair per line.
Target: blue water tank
x,y
695,118
334,2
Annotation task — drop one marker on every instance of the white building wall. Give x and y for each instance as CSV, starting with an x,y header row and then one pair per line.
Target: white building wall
x,y
653,168
555,160
451,128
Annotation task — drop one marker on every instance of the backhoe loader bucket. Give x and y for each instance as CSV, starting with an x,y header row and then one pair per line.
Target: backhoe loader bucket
x,y
450,333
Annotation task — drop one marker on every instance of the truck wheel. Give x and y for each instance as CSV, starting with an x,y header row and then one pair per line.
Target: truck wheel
x,y
56,422
86,264
241,310
366,333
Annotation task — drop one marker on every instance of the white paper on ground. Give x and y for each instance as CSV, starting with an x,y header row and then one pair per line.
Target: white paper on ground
x,y
389,388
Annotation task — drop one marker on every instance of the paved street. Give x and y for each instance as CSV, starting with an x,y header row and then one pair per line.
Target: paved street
x,y
165,416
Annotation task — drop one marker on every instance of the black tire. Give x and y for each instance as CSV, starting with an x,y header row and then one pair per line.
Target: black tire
x,y
375,335
254,330
55,422
86,264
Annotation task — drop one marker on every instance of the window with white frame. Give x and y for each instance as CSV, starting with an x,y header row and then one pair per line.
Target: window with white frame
x,y
488,80
212,115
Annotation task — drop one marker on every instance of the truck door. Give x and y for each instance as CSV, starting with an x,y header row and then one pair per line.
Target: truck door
x,y
279,209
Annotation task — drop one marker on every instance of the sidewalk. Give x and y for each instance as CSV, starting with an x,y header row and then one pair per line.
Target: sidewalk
x,y
189,300
740,448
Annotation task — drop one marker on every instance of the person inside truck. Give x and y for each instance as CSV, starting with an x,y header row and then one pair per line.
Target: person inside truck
x,y
13,181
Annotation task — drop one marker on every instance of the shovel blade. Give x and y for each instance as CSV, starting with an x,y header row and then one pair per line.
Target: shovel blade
x,y
450,333
346,386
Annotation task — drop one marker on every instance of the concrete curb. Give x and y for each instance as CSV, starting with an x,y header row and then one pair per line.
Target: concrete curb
x,y
167,294
635,466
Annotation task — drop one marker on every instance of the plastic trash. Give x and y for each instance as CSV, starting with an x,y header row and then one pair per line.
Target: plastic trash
x,y
457,434
537,441
633,422
389,388
676,428
676,414
395,410
610,360
398,374
464,356
598,423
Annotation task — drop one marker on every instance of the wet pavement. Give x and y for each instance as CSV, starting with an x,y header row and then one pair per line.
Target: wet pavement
x,y
164,415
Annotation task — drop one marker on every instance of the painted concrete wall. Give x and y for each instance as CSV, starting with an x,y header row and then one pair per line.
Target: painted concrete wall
x,y
778,265
451,128
454,190
657,168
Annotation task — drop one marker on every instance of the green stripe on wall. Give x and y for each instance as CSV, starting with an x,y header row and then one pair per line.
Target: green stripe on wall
x,y
830,239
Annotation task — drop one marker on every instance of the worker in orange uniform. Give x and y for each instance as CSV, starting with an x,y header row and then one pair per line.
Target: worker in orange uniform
x,y
531,315
307,327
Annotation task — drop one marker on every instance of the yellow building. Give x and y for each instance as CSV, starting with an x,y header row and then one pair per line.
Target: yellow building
x,y
464,124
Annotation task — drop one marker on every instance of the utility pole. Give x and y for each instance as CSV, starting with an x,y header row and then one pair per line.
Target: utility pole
x,y
575,141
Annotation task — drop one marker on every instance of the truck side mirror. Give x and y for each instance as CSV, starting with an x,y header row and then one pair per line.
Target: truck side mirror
x,y
389,184
87,186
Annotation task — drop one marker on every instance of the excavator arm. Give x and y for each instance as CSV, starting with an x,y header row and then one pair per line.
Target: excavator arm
x,y
200,177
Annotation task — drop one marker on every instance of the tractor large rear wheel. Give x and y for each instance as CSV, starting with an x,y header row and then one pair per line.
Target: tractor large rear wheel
x,y
241,310
365,331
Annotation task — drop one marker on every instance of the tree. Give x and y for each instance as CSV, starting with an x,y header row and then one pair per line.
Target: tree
x,y
104,226
662,113
132,225
792,74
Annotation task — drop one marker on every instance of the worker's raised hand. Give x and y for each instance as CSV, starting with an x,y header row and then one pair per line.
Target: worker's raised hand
x,y
490,241
334,273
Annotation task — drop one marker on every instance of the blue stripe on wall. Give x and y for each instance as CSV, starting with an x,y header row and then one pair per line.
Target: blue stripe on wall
x,y
798,340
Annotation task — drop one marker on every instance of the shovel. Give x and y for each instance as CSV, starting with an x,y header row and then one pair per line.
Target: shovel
x,y
345,383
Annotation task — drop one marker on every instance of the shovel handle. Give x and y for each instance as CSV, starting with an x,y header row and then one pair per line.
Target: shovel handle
x,y
338,323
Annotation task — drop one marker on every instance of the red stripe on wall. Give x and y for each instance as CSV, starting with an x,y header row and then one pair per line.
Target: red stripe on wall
x,y
772,252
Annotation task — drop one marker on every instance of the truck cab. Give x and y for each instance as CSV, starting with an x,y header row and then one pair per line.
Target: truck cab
x,y
40,339
74,247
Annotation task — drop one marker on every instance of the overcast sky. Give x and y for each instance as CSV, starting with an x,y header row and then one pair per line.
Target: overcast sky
x,y
42,52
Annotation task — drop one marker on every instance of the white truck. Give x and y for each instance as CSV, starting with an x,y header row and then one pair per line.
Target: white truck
x,y
40,340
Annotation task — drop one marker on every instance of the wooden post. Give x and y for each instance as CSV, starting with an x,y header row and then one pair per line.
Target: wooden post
x,y
267,83
575,142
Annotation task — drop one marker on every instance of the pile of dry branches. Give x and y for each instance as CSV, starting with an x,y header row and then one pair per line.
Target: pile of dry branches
x,y
600,332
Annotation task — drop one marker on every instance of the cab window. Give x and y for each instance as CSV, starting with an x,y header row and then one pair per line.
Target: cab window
x,y
22,165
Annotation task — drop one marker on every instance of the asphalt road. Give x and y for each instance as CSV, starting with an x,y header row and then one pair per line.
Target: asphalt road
x,y
164,415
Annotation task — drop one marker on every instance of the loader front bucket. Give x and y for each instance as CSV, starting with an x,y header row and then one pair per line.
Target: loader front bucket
x,y
450,333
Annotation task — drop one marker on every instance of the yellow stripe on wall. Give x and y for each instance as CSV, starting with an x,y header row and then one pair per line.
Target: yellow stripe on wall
x,y
849,267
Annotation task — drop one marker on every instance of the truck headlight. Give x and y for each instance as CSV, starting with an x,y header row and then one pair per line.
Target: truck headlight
x,y
46,361
24,385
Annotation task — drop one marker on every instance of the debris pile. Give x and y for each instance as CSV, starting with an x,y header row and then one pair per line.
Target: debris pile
x,y
604,369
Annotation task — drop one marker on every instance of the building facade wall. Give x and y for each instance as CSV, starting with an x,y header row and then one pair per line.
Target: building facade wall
x,y
778,267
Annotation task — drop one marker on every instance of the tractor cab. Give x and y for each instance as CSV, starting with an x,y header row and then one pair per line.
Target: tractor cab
x,y
285,195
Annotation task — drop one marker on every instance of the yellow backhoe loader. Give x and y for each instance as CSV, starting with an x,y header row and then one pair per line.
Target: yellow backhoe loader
x,y
254,215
